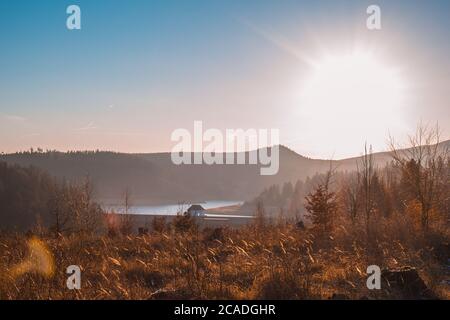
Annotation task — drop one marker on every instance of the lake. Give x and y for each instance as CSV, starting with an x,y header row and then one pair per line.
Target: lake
x,y
171,209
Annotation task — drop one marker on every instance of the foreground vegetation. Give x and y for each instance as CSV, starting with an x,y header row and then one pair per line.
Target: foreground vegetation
x,y
261,261
394,217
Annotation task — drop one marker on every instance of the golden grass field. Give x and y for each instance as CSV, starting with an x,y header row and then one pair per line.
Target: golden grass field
x,y
260,261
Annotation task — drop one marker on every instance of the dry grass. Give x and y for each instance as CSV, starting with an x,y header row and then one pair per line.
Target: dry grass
x,y
255,262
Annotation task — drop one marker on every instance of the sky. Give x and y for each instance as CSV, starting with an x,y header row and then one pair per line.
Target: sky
x,y
138,70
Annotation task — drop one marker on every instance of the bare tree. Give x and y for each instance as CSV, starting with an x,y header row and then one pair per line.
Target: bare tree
x,y
423,163
352,195
260,217
365,177
59,207
126,218
182,206
85,215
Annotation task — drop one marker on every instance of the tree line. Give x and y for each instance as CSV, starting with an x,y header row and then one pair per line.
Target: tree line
x,y
414,186
31,199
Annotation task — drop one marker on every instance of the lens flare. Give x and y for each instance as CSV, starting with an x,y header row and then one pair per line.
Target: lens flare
x,y
39,260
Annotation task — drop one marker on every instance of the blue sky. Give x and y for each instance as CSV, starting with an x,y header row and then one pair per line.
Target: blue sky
x,y
137,70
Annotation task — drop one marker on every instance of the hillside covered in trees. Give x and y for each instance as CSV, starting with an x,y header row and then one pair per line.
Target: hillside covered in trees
x,y
154,179
31,199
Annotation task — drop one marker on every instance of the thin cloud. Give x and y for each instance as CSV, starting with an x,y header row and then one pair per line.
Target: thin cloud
x,y
89,126
13,118
124,133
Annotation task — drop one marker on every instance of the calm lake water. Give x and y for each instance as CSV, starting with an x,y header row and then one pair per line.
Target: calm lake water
x,y
171,209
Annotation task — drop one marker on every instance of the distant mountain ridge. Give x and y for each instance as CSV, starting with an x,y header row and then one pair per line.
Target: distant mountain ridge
x,y
152,178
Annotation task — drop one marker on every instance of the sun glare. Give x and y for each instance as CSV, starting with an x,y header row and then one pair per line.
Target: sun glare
x,y
354,95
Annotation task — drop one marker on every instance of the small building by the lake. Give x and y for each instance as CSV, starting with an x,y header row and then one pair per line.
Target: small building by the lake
x,y
196,210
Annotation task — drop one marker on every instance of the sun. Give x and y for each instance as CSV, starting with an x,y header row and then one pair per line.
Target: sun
x,y
353,84
353,97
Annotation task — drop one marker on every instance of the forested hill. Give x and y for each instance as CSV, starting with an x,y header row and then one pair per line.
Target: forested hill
x,y
153,178
25,194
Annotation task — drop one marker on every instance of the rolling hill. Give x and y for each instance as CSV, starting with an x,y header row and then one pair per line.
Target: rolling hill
x,y
152,178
